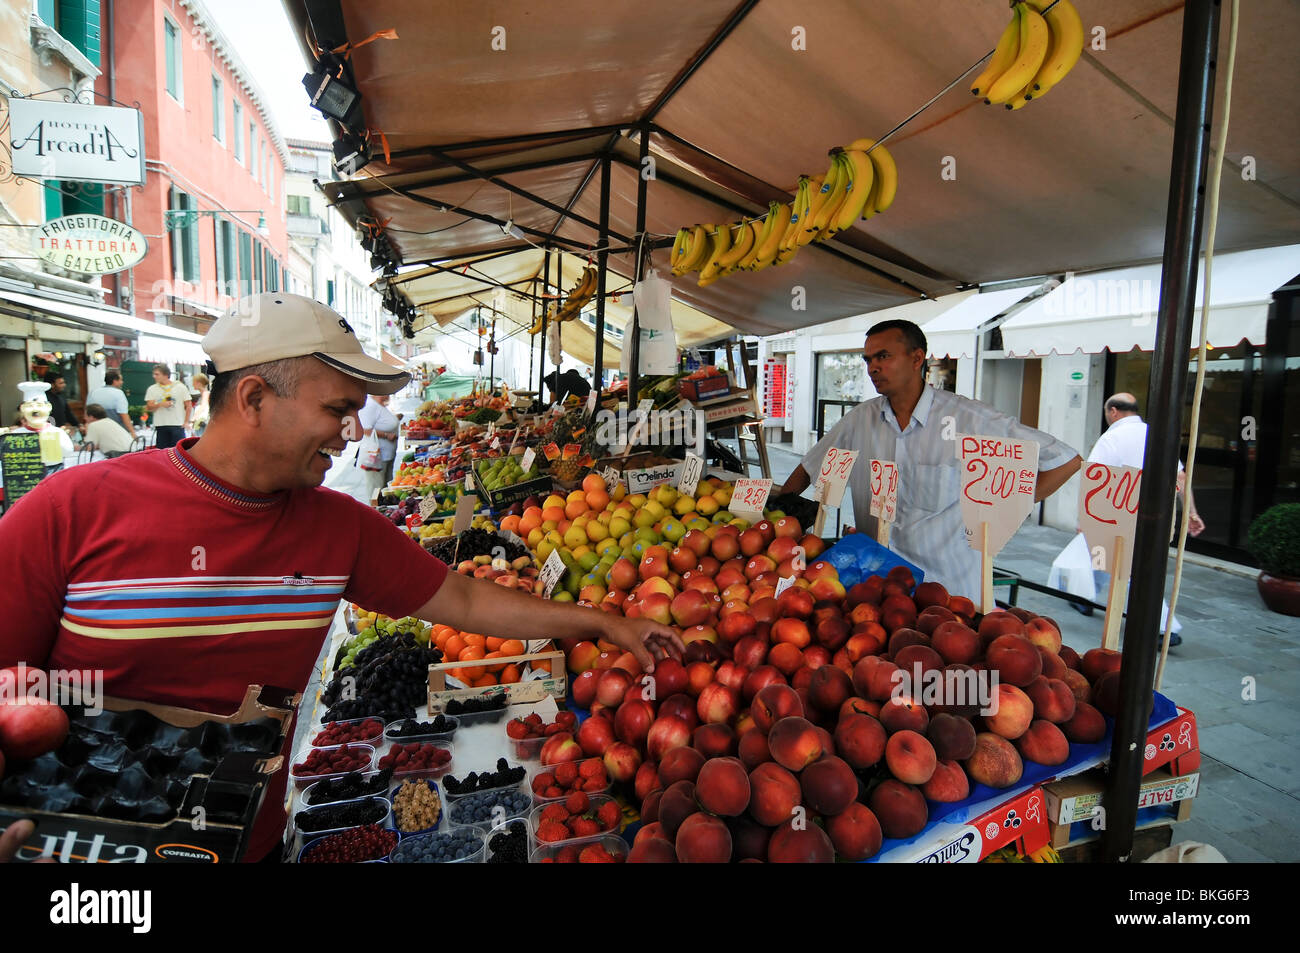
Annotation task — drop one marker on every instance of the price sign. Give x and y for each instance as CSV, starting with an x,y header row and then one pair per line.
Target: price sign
x,y
1108,505
691,470
997,477
552,572
529,456
428,506
782,584
20,457
612,479
748,499
884,490
834,475
552,451
464,514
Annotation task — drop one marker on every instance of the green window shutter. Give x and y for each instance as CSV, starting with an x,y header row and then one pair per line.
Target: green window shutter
x,y
78,23
192,270
47,10
172,43
53,200
245,264
174,202
85,198
217,229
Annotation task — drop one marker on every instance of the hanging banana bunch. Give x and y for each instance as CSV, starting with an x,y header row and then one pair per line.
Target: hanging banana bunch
x,y
580,295
1034,53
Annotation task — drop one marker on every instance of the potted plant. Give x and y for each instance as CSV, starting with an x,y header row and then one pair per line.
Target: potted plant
x,y
1274,540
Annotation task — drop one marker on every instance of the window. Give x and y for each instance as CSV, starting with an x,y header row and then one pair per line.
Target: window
x,y
245,264
218,110
238,111
257,268
299,205
184,236
172,44
227,274
252,148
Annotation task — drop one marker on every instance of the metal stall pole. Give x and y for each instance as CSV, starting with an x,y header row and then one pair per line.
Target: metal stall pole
x,y
1183,223
602,267
541,364
633,338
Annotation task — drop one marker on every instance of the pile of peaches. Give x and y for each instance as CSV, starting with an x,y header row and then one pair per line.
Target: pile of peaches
x,y
819,723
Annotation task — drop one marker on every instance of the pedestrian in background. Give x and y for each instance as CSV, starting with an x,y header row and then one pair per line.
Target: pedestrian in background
x,y
199,419
108,438
60,412
169,402
112,399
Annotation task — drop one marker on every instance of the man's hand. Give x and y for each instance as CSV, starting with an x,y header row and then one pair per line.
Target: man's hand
x,y
646,640
1195,525
13,837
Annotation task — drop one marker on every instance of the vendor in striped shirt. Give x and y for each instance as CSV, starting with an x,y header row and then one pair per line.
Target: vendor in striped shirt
x,y
917,426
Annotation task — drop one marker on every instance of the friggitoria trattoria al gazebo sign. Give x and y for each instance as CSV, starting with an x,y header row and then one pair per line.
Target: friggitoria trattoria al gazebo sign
x,y
90,244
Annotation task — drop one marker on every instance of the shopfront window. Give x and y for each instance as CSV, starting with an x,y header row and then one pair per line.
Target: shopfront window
x,y
841,385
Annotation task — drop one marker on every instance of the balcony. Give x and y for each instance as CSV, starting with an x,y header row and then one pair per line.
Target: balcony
x,y
307,226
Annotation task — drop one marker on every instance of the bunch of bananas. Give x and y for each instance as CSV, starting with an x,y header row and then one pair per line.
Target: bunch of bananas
x,y
579,297
858,182
1035,52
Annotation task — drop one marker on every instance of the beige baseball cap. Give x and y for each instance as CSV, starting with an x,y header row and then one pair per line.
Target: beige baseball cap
x,y
276,326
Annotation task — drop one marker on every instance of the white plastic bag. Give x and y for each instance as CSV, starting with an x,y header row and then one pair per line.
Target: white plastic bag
x,y
1072,570
369,456
346,477
653,297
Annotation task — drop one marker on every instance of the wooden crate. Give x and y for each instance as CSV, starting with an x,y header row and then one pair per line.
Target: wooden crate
x,y
532,690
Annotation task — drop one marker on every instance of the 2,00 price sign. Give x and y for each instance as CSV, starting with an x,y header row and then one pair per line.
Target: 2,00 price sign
x,y
748,499
884,490
998,476
1108,505
834,475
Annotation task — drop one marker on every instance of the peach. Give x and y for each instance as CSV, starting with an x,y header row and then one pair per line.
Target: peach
x,y
612,686
680,706
956,643
1044,632
859,706
959,691
786,658
995,762
832,633
867,638
1053,667
722,787
622,761
645,784
829,688
677,804
904,713
703,839
1052,698
1079,686
1012,712
680,764
899,807
750,652
633,720
1070,657
953,738
772,704
652,850
1024,615
948,784
800,682
731,675
855,833
931,618
698,675
931,594
860,740
1105,694
794,743
901,638
815,656
962,607
910,757
869,590
827,739
774,794
748,839
829,785
1000,623
863,612
717,703
1015,660
666,734
873,678
1087,726
715,740
595,735
918,655
584,688
1043,743
1096,662
807,844
759,679
650,827
791,630
752,749
734,626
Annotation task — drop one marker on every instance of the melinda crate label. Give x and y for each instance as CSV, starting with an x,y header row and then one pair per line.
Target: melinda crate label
x,y
997,476
1108,505
643,481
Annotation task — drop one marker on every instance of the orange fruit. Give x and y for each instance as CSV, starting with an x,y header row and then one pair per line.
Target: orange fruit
x,y
510,674
453,648
534,512
484,681
510,524
476,640
494,643
495,668
470,673
553,514
593,482
575,508
542,665
528,524
511,647
597,500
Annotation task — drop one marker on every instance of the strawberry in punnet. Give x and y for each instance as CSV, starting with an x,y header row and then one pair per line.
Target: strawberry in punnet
x,y
543,781
553,791
592,768
596,854
577,803
534,721
609,815
516,729
566,773
554,729
567,855
585,827
551,831
566,718
555,812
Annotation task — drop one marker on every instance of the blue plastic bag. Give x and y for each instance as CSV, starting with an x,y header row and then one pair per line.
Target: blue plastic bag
x,y
858,556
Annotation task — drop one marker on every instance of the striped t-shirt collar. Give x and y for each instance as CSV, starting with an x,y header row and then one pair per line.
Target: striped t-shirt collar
x,y
244,499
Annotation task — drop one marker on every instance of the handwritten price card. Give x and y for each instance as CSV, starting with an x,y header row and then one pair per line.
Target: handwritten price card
x,y
884,490
691,470
1108,505
834,476
998,476
748,499
552,571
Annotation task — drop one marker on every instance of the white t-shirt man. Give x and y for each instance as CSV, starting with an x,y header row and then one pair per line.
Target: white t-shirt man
x,y
108,436
168,416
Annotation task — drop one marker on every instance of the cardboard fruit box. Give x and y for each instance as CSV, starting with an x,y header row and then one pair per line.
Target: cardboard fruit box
x,y
531,689
705,388
1020,821
213,821
1075,811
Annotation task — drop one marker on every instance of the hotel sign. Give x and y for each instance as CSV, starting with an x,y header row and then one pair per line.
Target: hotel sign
x,y
90,244
76,143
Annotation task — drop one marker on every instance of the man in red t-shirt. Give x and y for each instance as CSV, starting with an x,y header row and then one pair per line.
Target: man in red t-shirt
x,y
233,559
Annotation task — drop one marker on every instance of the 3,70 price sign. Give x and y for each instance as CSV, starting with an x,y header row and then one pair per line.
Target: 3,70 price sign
x,y
834,475
884,490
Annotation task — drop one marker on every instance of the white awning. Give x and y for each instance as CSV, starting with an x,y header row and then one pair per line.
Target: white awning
x,y
1117,309
953,333
169,350
107,321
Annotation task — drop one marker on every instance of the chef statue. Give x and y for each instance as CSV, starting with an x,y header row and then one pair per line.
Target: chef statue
x,y
35,410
